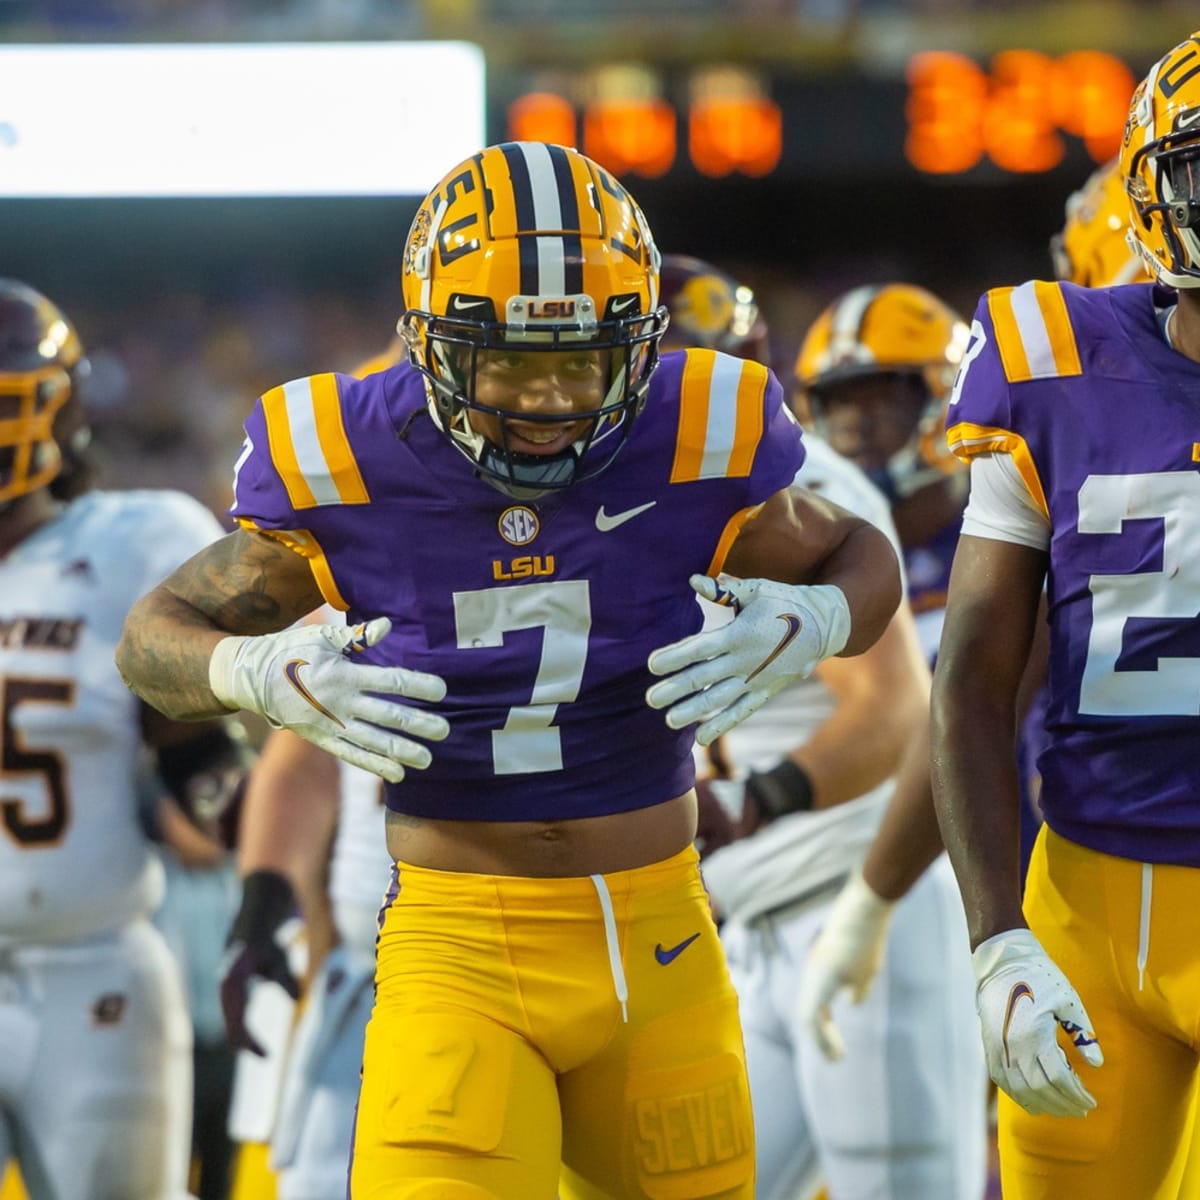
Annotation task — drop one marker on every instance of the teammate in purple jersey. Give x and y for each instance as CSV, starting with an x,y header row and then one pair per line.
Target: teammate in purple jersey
x,y
1078,412
517,521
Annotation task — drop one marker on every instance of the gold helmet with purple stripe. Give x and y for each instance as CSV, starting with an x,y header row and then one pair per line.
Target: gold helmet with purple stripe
x,y
1160,166
530,249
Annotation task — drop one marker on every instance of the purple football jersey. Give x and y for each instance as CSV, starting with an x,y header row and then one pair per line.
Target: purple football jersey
x,y
539,614
1102,419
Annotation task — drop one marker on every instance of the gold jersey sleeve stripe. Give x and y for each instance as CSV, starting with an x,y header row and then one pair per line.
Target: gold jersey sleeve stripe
x,y
303,543
967,441
720,417
331,433
1034,332
729,535
308,443
283,452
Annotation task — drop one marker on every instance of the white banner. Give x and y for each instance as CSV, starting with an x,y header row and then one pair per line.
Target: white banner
x,y
313,119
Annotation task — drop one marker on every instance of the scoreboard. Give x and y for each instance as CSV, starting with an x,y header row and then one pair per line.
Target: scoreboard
x,y
1019,112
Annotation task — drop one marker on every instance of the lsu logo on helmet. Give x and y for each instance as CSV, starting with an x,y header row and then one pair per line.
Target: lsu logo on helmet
x,y
533,248
1160,166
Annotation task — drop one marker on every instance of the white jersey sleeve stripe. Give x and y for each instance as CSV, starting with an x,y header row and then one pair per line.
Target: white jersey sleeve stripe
x,y
721,432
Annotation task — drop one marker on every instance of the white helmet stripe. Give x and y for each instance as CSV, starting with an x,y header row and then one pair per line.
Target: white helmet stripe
x,y
845,332
547,214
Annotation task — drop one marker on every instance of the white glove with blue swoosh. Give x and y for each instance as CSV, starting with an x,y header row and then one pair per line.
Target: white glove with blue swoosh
x,y
305,679
720,676
1023,999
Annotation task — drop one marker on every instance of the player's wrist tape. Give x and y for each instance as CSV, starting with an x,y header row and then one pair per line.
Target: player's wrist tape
x,y
859,897
784,789
222,679
267,901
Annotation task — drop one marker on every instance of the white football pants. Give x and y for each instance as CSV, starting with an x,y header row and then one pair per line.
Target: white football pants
x,y
96,1068
902,1116
310,1147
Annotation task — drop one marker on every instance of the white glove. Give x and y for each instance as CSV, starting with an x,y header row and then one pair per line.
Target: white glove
x,y
721,676
1022,998
305,679
846,954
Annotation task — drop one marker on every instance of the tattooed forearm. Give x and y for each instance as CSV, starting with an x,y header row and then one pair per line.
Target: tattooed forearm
x,y
163,656
242,584
230,584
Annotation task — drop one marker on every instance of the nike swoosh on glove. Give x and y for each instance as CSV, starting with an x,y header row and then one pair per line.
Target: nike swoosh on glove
x,y
720,676
1023,999
846,954
305,679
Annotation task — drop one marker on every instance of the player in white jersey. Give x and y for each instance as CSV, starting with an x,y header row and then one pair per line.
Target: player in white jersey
x,y
306,817
809,777
902,1115
1091,250
95,1042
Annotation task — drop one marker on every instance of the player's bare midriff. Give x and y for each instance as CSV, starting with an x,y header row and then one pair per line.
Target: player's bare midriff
x,y
546,849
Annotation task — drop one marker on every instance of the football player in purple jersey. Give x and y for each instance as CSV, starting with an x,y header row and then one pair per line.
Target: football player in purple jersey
x,y
517,521
1077,410
1091,250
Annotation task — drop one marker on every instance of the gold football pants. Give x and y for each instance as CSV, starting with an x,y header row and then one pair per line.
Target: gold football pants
x,y
524,1027
1127,936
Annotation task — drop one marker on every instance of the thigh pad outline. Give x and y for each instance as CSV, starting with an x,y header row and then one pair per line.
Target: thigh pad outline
x,y
450,1079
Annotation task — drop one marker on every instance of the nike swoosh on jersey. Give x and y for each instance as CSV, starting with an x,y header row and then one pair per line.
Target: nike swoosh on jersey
x,y
605,521
292,671
1021,991
794,625
669,956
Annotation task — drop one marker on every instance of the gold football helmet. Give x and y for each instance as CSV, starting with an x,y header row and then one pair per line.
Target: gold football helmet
x,y
1093,248
1160,165
40,360
893,331
531,248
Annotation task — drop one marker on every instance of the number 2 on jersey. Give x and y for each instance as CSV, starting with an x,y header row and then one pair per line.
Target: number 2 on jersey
x,y
1172,594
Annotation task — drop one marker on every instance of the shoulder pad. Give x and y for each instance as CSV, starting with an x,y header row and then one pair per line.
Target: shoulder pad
x,y
720,416
308,443
1033,332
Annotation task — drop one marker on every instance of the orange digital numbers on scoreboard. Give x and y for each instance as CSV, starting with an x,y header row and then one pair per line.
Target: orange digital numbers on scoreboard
x,y
1019,132
946,98
1092,100
626,125
630,136
743,134
542,117
1015,114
